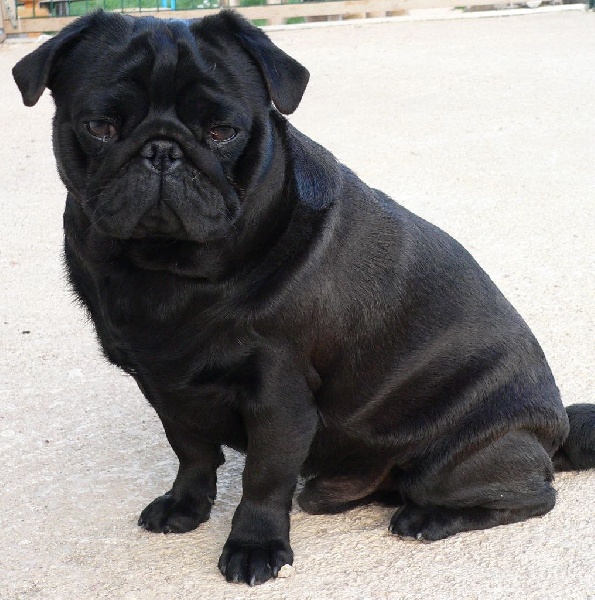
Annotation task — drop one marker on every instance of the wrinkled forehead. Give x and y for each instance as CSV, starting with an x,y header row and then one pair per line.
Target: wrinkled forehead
x,y
164,59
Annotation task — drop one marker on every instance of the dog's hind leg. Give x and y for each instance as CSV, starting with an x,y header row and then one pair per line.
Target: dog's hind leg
x,y
334,494
505,482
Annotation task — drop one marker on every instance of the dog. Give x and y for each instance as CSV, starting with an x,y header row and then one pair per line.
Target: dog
x,y
265,299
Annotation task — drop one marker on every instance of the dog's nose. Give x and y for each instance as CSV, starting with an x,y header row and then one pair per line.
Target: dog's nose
x,y
162,155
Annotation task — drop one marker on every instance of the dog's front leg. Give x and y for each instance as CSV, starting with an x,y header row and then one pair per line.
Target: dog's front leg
x,y
280,429
188,503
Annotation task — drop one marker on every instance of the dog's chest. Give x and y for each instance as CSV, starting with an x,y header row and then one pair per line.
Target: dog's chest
x,y
189,385
193,369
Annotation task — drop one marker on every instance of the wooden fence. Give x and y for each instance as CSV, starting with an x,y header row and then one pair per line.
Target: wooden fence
x,y
36,16
8,14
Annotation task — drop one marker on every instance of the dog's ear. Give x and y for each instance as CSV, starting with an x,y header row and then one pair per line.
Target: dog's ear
x,y
34,72
286,79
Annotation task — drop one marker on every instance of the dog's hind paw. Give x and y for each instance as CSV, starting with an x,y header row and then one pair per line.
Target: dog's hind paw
x,y
427,523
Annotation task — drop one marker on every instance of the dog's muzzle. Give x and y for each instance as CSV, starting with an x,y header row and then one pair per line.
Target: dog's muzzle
x,y
161,157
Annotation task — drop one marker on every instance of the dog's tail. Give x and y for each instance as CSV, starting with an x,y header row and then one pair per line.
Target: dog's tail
x,y
578,451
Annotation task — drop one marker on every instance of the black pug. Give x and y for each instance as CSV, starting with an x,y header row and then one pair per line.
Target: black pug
x,y
265,299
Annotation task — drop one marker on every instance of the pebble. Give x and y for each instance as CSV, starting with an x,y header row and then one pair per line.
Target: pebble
x,y
286,571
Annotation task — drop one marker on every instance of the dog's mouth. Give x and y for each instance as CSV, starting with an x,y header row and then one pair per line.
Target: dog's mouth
x,y
160,221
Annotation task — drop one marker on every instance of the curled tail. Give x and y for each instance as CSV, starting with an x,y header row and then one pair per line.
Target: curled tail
x,y
578,451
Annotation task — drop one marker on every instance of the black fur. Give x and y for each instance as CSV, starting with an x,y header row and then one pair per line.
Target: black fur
x,y
264,298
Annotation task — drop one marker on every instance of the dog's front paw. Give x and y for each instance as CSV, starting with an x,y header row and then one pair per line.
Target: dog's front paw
x,y
169,515
254,563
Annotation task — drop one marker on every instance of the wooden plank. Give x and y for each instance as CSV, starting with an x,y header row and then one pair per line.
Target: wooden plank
x,y
271,12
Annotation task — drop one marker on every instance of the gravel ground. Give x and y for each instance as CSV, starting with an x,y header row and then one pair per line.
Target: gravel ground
x,y
483,126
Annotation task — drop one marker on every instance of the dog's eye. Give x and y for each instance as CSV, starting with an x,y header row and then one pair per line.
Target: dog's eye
x,y
102,130
222,133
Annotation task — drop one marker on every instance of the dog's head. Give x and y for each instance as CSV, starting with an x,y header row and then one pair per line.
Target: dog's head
x,y
162,128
